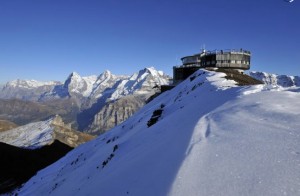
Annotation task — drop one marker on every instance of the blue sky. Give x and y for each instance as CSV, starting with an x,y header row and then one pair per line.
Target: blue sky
x,y
48,39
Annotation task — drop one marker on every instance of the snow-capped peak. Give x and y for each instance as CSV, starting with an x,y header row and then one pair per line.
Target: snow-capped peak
x,y
74,74
152,71
73,77
80,85
142,82
278,80
106,75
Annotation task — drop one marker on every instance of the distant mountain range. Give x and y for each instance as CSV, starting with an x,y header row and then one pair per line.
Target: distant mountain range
x,y
29,90
275,79
86,90
80,99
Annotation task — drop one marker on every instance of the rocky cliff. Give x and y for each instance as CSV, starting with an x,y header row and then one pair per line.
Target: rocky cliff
x,y
115,112
65,134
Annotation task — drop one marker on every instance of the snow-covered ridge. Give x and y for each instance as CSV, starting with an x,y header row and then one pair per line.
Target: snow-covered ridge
x,y
30,84
274,79
207,136
26,89
33,135
81,85
38,134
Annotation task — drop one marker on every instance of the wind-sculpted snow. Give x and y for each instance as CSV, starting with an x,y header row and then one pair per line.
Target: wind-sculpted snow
x,y
210,137
248,146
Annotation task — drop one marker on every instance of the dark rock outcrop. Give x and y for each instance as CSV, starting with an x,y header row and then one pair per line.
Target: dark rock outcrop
x,y
18,165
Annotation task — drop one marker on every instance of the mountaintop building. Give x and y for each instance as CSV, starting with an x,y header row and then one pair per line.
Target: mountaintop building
x,y
226,59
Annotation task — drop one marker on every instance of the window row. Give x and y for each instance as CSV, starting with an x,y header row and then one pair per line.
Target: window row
x,y
225,62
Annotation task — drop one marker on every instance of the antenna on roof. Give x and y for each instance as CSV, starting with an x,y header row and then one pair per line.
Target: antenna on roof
x,y
203,48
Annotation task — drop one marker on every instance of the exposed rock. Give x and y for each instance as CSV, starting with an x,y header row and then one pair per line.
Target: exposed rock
x,y
6,125
240,78
18,165
116,112
65,134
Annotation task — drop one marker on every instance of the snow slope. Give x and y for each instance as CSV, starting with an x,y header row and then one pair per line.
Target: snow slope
x,y
33,135
207,136
38,134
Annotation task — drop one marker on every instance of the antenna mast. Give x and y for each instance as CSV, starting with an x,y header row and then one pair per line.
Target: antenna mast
x,y
203,48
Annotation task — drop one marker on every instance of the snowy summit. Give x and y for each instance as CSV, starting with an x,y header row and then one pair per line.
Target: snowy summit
x,y
207,136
